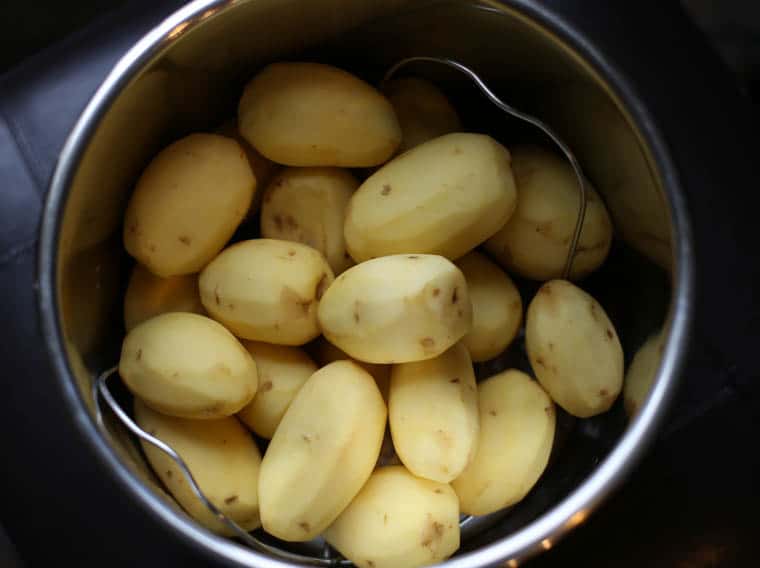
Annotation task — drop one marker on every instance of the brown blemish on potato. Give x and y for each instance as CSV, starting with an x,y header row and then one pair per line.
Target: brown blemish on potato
x,y
224,369
305,526
278,222
305,306
169,473
438,528
427,343
444,438
455,295
545,289
551,346
306,438
460,313
493,412
433,532
321,287
592,307
385,518
436,292
231,307
548,409
185,240
457,150
370,564
603,393
291,222
133,228
412,257
217,299
540,361
438,491
291,253
454,380
231,499
152,248
266,386
386,189
139,355
610,335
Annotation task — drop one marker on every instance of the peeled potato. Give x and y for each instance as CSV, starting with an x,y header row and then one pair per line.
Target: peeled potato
x,y
308,205
444,197
322,453
423,111
222,457
309,114
641,374
496,307
574,349
282,372
188,366
433,413
149,296
397,309
398,521
535,241
325,353
266,290
517,422
188,203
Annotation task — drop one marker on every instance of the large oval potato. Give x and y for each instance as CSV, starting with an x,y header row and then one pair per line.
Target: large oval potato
x,y
574,349
282,372
517,422
397,309
188,365
398,521
266,290
322,453
443,197
535,241
188,203
149,295
325,353
309,114
496,307
433,414
308,205
641,373
423,111
222,457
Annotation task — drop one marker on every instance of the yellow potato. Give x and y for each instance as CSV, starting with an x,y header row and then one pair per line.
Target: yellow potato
x,y
397,309
188,203
282,372
496,307
535,241
641,374
325,353
266,290
149,295
433,414
222,457
308,205
309,114
573,349
517,422
423,111
187,365
398,521
322,453
443,197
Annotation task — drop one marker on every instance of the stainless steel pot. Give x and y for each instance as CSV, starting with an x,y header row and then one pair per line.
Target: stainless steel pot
x,y
187,74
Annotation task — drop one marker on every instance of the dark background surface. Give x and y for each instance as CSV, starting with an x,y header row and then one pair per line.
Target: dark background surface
x,y
692,501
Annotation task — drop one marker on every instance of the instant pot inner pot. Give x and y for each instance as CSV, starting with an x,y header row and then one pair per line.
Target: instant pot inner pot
x,y
193,82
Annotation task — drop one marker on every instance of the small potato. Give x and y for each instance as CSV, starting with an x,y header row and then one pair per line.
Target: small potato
x,y
517,422
496,307
573,349
188,366
308,205
282,372
322,453
266,290
641,373
423,111
308,114
325,353
149,296
397,309
188,203
398,521
443,197
535,241
222,457
433,414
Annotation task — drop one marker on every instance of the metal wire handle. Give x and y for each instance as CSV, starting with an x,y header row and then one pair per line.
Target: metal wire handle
x,y
512,111
101,390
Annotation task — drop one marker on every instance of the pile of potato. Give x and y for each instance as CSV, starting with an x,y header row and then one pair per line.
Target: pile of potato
x,y
362,305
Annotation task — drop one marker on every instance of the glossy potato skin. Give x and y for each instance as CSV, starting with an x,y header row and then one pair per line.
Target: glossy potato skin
x,y
397,309
188,203
322,453
222,457
517,424
443,197
189,366
433,414
574,349
266,290
310,114
398,521
535,242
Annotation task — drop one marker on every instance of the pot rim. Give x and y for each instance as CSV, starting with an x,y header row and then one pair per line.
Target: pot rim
x,y
542,533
